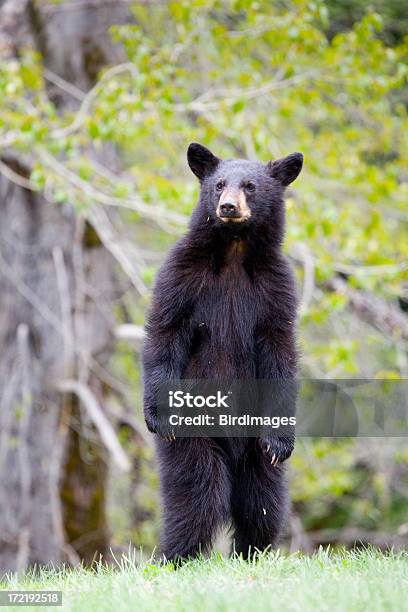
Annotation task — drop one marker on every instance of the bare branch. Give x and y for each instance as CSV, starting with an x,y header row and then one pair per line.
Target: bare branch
x,y
99,419
381,314
49,316
381,270
100,221
64,85
378,312
23,550
302,253
7,415
66,309
23,454
30,296
80,5
129,332
90,98
159,215
16,178
125,418
212,100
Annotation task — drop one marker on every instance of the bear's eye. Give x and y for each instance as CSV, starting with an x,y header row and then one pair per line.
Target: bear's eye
x,y
220,186
250,186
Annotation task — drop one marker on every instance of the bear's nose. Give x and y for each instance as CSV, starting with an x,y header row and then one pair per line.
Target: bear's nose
x,y
229,208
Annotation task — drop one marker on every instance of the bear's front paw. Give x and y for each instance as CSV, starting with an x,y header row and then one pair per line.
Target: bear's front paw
x,y
276,449
151,421
157,426
167,434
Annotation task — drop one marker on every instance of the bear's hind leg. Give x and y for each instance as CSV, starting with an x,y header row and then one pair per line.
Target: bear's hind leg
x,y
259,504
196,491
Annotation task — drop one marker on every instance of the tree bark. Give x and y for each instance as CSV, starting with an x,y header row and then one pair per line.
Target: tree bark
x,y
32,358
57,291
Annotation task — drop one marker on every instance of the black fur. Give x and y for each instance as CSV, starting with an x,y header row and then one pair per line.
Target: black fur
x,y
224,307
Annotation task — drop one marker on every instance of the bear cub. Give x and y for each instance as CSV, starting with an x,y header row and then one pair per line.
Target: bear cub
x,y
224,307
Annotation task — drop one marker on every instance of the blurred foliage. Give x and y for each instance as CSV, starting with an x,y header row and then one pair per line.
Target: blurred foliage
x,y
252,79
344,13
258,79
364,483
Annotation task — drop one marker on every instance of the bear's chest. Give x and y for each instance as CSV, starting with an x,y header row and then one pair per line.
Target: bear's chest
x,y
227,307
224,321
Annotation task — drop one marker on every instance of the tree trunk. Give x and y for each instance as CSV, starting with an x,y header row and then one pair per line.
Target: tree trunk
x,y
32,359
57,291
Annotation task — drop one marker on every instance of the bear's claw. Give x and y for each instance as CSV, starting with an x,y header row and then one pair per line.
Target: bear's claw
x,y
276,449
156,427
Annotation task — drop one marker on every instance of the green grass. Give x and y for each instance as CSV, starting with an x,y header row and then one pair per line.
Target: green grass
x,y
352,581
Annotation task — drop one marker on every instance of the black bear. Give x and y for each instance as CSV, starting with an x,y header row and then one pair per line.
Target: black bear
x,y
224,307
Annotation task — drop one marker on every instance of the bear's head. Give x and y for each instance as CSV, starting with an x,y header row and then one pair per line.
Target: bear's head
x,y
238,194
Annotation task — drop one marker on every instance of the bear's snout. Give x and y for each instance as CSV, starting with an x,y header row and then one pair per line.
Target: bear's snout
x,y
233,206
229,208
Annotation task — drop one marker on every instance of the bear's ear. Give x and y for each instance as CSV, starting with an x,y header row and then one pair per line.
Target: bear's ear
x,y
285,170
201,161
